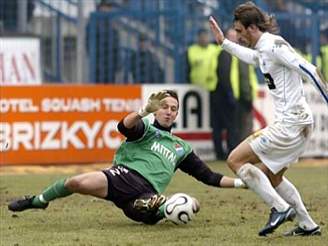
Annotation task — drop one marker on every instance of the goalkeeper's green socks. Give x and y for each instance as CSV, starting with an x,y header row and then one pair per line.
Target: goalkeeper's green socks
x,y
53,192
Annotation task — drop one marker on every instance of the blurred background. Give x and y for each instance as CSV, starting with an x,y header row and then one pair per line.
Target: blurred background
x,y
82,65
142,41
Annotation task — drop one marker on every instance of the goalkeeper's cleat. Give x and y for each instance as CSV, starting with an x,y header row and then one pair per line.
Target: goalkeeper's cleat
x,y
149,204
276,219
298,231
24,203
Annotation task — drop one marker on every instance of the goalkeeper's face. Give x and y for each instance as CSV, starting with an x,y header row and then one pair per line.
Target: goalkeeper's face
x,y
167,112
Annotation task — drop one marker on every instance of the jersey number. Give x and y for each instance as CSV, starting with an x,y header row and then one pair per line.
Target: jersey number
x,y
269,81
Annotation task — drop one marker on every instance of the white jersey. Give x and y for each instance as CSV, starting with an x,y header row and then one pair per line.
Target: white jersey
x,y
283,69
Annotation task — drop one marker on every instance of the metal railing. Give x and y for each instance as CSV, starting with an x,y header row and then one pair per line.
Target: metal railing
x,y
77,48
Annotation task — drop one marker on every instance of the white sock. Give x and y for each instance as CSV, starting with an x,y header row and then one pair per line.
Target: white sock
x,y
289,192
260,184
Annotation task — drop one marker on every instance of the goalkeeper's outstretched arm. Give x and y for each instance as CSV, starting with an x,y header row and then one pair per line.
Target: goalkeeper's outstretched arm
x,y
195,167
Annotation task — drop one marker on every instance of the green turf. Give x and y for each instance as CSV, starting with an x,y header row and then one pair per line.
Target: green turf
x,y
227,216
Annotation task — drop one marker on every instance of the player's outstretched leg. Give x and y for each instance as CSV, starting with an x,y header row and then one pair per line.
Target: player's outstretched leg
x,y
41,201
25,203
276,219
306,226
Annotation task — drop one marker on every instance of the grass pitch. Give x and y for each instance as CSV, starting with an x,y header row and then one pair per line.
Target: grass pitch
x,y
227,216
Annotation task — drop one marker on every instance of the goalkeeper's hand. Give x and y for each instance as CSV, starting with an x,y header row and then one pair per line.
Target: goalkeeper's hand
x,y
153,104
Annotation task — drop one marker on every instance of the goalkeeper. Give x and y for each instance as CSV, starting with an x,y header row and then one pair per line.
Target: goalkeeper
x,y
143,166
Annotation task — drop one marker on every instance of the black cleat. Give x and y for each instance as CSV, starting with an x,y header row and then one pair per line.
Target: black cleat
x,y
298,231
276,219
23,204
149,204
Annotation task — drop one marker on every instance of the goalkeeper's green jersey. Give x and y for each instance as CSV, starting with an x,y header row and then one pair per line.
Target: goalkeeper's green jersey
x,y
156,155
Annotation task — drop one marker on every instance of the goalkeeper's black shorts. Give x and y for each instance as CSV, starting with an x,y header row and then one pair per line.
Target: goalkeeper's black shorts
x,y
125,185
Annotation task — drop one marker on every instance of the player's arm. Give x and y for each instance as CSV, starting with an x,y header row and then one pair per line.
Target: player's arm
x,y
286,55
132,126
199,170
136,131
245,54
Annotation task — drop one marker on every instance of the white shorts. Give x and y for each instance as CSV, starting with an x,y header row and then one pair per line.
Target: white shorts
x,y
279,145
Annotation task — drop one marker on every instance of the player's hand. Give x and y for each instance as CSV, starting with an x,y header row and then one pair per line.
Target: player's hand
x,y
218,34
153,104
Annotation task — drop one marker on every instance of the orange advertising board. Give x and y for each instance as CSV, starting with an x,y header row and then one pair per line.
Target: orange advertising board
x,y
58,124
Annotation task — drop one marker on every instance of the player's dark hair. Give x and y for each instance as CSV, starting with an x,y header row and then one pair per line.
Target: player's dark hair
x,y
248,14
173,94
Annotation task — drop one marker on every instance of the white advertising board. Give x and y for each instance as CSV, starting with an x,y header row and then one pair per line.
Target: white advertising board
x,y
20,61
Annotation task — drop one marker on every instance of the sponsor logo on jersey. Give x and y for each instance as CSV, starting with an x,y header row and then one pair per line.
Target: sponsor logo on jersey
x,y
179,150
164,151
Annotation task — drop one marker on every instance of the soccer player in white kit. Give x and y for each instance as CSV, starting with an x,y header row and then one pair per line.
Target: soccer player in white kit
x,y
281,143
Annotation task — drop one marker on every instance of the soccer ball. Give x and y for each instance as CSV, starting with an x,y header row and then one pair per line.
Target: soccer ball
x,y
181,208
